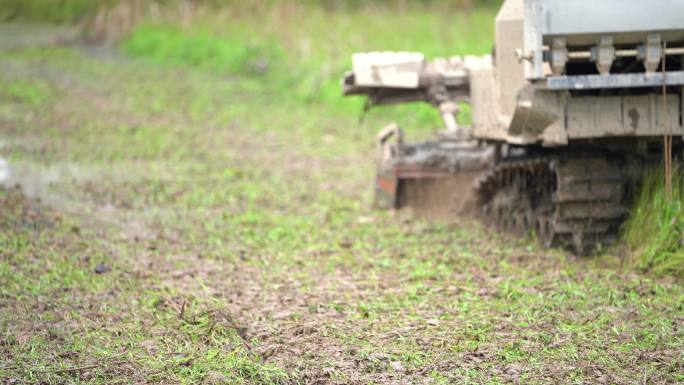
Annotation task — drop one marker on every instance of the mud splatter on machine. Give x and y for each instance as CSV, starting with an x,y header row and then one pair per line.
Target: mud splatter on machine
x,y
575,103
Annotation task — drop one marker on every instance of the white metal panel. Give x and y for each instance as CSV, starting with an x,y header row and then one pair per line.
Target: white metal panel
x,y
388,69
634,115
565,17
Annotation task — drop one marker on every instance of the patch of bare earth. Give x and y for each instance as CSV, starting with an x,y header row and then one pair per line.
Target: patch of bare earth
x,y
464,308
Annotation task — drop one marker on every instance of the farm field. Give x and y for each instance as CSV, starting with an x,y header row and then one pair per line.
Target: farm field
x,y
192,207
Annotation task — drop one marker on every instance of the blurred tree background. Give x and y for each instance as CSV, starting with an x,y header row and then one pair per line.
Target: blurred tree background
x,y
69,11
295,49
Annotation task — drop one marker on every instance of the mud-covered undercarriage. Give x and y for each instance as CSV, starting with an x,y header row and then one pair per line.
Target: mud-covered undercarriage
x,y
568,113
565,199
576,198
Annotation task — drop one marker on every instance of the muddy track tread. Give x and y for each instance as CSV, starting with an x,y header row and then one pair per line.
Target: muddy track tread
x,y
574,202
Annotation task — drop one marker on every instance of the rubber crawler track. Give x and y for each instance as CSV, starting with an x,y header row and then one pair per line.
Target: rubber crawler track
x,y
577,202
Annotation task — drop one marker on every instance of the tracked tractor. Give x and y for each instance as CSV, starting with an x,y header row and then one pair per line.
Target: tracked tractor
x,y
578,99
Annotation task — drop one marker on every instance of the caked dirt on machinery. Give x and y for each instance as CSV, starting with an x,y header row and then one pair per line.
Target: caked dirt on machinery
x,y
432,179
567,114
440,199
572,200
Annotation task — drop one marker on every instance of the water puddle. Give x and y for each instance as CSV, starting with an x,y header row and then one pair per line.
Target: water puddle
x,y
57,185
54,186
38,181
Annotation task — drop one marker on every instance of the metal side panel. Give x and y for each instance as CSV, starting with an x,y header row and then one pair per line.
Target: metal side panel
x,y
571,17
643,115
638,80
485,106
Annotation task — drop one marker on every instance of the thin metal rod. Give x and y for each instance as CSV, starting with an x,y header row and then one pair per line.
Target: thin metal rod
x,y
667,140
626,52
586,55
579,55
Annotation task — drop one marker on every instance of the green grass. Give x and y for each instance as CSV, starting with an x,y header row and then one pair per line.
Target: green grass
x,y
170,45
69,11
68,324
655,230
54,11
305,64
33,94
236,221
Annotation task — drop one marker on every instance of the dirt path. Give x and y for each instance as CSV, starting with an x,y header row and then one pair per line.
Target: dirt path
x,y
195,228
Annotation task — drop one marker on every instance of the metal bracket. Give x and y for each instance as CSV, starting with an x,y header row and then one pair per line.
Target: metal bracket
x,y
638,80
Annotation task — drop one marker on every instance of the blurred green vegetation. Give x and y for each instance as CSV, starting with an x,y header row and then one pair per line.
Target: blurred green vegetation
x,y
655,231
69,11
54,11
201,48
31,93
299,54
297,49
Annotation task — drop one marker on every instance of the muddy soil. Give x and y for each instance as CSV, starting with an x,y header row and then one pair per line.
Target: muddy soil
x,y
176,226
446,199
